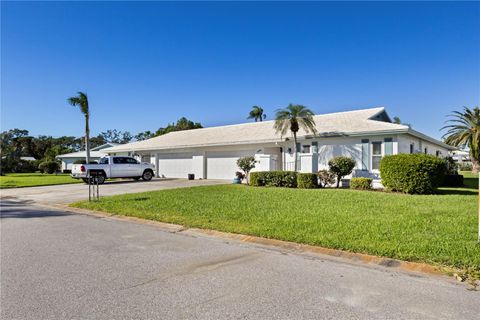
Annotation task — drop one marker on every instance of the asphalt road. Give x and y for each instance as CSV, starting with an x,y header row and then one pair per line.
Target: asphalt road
x,y
56,265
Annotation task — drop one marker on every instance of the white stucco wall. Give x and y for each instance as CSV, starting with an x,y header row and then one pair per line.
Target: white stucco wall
x,y
405,140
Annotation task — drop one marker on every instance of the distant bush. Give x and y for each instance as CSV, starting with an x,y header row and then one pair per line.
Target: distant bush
x,y
49,166
83,161
307,180
341,167
361,183
325,178
453,180
16,165
286,179
465,166
412,173
451,166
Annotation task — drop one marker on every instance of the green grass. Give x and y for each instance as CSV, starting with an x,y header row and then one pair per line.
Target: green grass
x,y
439,229
18,180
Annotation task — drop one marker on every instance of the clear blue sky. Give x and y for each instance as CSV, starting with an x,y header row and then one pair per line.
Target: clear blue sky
x,y
146,64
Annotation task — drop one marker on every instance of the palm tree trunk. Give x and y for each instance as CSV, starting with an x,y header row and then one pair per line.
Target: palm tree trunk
x,y
475,164
295,148
87,140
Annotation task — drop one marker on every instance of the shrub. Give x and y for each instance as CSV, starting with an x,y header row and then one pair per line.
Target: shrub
x,y
49,166
361,183
325,178
465,166
341,167
453,180
412,173
246,164
286,179
451,166
307,180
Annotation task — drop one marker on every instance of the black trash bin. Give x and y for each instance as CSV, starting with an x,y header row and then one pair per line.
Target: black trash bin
x,y
191,176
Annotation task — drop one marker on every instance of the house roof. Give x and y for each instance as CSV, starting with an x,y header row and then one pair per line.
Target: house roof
x,y
96,152
350,123
83,154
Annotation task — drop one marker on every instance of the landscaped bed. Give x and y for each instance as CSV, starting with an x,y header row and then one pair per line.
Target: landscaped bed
x,y
17,180
439,229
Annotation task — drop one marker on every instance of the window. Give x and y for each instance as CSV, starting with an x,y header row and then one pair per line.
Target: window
x,y
412,147
365,154
438,153
426,151
376,155
388,146
103,161
131,161
306,148
119,160
315,147
298,147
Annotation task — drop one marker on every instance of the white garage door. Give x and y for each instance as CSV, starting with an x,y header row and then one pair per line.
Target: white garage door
x,y
223,165
175,165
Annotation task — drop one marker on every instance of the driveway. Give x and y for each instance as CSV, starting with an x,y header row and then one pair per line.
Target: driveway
x,y
63,194
56,265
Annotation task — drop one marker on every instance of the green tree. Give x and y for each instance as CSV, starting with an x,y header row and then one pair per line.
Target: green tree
x,y
144,135
257,114
292,118
81,101
463,130
246,164
116,136
182,124
341,167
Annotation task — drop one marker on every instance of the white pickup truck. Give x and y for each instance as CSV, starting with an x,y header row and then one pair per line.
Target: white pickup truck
x,y
115,167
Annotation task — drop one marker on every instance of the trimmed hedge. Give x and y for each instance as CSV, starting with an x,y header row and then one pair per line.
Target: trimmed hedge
x,y
361,183
286,179
412,173
307,180
453,180
49,167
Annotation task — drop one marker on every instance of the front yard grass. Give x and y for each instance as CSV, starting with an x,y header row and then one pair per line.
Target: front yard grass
x,y
17,180
439,229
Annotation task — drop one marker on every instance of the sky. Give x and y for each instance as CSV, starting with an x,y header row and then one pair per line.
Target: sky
x,y
146,64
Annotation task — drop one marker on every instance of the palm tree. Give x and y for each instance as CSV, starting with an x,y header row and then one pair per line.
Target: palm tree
x,y
292,118
257,114
464,131
82,102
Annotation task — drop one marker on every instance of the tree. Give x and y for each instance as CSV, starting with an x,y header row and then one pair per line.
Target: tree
x,y
397,120
463,130
116,136
182,124
341,167
81,101
257,114
144,135
246,164
292,118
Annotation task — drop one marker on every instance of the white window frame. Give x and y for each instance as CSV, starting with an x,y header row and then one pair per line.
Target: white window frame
x,y
372,155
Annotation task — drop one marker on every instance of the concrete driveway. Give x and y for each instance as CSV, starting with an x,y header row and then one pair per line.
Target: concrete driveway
x,y
67,193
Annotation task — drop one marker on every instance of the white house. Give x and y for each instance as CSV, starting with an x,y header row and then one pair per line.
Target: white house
x,y
211,153
95,154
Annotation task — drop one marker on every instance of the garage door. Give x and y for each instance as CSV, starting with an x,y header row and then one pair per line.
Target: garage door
x,y
175,165
223,165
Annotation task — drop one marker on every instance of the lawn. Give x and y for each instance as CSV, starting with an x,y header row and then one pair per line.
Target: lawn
x,y
18,180
439,229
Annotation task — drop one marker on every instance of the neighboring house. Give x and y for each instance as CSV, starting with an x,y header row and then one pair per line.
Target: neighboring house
x,y
211,153
461,156
95,154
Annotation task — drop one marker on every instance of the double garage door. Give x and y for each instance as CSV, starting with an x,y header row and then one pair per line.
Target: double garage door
x,y
219,165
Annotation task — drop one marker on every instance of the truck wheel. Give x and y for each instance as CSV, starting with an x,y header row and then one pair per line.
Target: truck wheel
x,y
100,179
147,175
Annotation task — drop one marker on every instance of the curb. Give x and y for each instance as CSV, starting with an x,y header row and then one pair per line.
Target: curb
x,y
294,247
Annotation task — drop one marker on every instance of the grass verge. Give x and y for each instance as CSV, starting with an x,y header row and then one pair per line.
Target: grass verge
x,y
438,229
18,180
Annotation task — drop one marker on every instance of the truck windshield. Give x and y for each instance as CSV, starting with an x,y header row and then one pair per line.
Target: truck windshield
x,y
104,161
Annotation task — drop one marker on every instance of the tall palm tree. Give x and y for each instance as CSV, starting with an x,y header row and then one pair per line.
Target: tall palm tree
x,y
292,118
464,131
81,101
257,114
